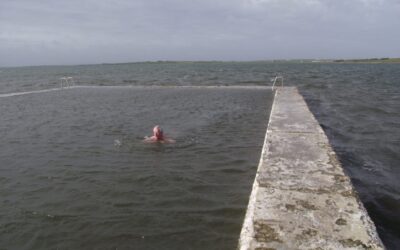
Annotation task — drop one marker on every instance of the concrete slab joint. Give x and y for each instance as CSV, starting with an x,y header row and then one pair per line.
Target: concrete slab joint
x,y
301,198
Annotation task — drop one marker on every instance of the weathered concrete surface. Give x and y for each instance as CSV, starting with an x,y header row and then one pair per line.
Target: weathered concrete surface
x,y
301,198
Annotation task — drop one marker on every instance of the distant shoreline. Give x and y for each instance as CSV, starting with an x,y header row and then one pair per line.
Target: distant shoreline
x,y
361,61
368,60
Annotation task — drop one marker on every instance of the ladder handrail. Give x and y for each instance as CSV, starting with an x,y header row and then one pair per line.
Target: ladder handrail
x,y
275,79
67,81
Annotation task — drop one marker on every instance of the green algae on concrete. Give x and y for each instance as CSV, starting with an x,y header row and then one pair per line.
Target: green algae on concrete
x,y
301,198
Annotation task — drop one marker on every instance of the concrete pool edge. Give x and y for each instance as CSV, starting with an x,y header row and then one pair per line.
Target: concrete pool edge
x,y
141,87
301,198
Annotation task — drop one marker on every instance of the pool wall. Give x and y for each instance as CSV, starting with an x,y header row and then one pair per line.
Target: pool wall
x,y
301,197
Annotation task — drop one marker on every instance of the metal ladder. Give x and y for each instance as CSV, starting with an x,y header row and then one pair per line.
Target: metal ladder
x,y
274,80
67,82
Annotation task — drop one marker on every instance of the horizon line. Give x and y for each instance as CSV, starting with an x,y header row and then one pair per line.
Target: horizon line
x,y
314,60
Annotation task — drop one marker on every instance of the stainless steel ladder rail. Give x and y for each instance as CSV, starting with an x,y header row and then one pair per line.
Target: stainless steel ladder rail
x,y
274,80
67,82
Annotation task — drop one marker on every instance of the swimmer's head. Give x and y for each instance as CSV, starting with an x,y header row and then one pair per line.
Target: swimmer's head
x,y
158,133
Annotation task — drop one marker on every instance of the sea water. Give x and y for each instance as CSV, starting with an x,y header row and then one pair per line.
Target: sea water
x,y
76,174
358,106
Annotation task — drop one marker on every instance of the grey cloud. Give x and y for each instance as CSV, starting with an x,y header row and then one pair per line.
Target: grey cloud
x,y
89,31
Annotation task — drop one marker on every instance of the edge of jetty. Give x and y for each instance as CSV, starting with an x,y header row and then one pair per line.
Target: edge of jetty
x,y
301,197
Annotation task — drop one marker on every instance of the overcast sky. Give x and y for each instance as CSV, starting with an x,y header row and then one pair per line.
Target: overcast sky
x,y
99,31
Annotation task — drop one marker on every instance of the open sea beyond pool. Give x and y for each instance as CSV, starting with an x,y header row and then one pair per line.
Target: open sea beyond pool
x,y
75,174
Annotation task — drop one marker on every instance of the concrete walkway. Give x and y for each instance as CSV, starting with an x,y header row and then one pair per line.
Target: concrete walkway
x,y
301,198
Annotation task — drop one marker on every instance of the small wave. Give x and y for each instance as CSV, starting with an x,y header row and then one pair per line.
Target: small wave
x,y
117,143
124,204
41,214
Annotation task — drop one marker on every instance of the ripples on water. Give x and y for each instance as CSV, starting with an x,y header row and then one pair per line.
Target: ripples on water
x,y
65,184
359,108
358,105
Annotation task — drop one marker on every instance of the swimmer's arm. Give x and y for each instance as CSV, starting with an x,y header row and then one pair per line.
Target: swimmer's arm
x,y
152,139
168,140
148,139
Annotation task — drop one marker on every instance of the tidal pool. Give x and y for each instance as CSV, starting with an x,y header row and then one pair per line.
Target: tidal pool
x,y
75,173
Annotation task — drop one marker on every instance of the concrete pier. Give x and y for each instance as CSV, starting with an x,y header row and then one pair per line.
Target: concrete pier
x,y
301,198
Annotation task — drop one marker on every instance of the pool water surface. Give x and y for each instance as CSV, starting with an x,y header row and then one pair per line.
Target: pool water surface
x,y
75,173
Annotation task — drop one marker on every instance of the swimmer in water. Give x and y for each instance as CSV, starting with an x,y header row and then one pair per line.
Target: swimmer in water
x,y
158,136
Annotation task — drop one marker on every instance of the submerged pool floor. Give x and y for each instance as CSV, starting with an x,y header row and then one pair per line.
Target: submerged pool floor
x,y
66,183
